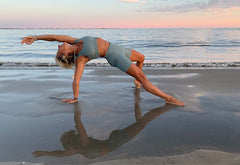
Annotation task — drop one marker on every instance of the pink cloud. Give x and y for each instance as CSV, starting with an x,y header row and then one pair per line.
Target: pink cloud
x,y
196,6
133,1
228,11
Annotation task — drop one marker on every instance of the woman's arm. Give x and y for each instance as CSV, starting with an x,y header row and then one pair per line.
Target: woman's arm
x,y
57,153
60,38
80,63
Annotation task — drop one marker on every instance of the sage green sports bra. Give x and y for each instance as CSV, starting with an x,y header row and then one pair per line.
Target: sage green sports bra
x,y
90,48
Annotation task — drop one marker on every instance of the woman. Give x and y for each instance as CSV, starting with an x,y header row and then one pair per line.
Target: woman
x,y
88,48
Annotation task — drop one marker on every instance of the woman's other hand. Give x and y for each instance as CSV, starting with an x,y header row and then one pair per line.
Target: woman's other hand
x,y
28,40
70,101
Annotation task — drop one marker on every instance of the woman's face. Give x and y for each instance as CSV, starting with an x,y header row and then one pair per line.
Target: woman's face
x,y
63,49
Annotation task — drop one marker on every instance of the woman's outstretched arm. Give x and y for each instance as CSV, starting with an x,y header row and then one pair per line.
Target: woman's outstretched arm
x,y
50,37
80,64
57,153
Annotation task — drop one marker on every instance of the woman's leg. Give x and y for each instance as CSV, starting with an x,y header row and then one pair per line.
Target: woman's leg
x,y
137,73
139,58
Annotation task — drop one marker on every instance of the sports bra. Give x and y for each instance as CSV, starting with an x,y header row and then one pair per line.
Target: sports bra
x,y
90,47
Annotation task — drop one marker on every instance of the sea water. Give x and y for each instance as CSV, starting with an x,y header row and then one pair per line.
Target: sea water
x,y
178,47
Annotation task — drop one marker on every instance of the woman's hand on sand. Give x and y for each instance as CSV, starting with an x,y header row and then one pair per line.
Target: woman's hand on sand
x,y
27,40
70,101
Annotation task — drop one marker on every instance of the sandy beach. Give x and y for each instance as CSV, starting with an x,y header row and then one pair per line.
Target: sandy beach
x,y
113,123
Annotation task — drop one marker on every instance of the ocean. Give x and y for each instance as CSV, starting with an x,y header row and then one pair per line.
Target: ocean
x,y
175,47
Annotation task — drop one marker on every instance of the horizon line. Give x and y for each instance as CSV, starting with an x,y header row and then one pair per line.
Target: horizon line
x,y
127,28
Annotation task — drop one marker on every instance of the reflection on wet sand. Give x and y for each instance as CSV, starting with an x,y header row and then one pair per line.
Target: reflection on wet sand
x,y
78,142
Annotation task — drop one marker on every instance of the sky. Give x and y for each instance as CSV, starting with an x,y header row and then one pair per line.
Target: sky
x,y
119,13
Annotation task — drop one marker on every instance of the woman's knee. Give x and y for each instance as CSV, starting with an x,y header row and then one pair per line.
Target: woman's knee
x,y
142,58
136,56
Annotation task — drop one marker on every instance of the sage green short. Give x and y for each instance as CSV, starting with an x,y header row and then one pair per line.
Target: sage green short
x,y
119,57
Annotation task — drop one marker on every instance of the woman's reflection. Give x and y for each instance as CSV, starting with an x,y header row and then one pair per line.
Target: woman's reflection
x,y
78,142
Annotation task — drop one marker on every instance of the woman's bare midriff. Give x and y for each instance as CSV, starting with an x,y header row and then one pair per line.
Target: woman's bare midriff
x,y
102,46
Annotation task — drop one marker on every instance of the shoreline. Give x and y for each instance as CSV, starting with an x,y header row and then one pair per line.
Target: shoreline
x,y
146,65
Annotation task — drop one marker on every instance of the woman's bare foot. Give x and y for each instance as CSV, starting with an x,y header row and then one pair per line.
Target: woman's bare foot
x,y
172,100
137,84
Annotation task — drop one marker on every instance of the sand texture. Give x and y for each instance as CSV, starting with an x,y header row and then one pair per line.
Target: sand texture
x,y
113,123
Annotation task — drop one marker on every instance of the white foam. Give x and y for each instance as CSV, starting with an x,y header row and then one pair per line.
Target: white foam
x,y
152,65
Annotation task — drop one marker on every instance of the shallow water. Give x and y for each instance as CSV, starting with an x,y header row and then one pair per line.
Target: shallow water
x,y
33,118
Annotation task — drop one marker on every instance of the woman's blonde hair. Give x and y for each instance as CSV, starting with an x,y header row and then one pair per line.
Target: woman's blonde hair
x,y
65,61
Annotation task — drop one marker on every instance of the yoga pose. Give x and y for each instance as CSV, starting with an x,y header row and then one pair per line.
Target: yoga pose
x,y
78,51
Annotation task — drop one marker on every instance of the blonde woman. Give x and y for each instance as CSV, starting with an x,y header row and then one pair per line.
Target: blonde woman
x,y
78,51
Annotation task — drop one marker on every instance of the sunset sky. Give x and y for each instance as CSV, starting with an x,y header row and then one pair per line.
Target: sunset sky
x,y
119,13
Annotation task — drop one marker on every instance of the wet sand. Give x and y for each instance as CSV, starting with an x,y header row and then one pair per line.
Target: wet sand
x,y
114,123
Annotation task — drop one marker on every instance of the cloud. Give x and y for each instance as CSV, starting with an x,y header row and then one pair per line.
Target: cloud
x,y
133,1
228,11
196,6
